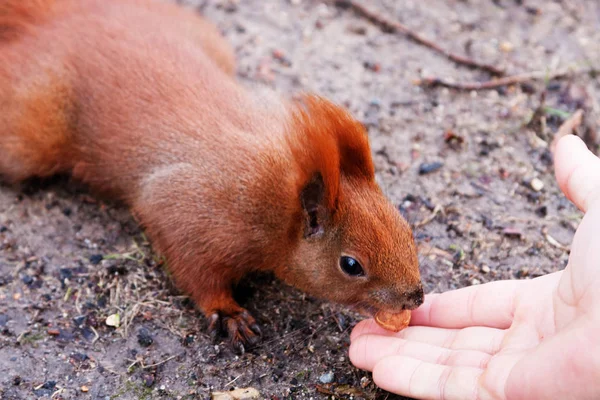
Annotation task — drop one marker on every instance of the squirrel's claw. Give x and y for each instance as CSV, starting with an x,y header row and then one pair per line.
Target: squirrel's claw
x,y
241,328
214,327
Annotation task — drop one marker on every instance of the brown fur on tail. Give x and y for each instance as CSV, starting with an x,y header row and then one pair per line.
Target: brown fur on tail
x,y
36,99
17,15
37,136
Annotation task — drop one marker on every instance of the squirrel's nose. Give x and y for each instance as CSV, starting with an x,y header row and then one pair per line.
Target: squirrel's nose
x,y
414,298
404,298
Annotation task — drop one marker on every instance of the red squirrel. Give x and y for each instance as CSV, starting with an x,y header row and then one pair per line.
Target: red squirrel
x,y
138,100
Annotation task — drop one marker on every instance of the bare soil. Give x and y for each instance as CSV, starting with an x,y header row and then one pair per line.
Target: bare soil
x,y
68,261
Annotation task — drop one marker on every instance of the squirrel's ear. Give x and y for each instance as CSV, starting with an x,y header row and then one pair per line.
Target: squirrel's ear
x,y
316,214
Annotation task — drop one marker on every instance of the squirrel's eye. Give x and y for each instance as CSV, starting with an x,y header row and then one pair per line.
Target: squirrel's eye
x,y
351,267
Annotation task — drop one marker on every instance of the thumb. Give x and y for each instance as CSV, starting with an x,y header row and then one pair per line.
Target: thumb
x,y
577,172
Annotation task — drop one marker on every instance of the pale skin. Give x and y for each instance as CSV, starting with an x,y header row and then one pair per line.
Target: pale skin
x,y
529,339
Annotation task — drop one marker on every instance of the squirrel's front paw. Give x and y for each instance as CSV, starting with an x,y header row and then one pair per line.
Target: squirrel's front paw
x,y
240,327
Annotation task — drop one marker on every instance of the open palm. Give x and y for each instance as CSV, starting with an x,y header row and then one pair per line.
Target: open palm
x,y
535,339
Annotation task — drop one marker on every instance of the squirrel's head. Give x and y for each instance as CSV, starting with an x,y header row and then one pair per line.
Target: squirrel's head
x,y
351,244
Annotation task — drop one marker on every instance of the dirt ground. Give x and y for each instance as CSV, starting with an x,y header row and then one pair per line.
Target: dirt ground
x,y
67,261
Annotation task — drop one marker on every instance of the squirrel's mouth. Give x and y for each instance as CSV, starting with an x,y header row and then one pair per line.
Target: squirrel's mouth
x,y
369,311
366,310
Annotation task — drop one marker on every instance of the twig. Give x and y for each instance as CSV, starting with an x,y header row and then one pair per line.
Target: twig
x,y
508,80
77,305
231,382
96,336
158,363
140,361
567,128
429,218
111,370
57,392
394,26
430,250
322,389
554,242
23,334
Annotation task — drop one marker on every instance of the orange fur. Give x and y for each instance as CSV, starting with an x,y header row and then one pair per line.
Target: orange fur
x,y
328,140
136,98
17,15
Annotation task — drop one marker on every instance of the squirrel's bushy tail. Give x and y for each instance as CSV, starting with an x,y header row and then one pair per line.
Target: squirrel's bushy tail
x,y
18,15
35,98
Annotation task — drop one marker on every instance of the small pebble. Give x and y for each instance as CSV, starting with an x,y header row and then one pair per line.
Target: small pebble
x,y
65,336
65,273
375,102
189,339
373,66
536,184
113,320
523,272
281,57
85,389
427,168
148,379
512,233
542,211
506,47
95,259
79,357
88,334
475,281
357,29
144,337
485,269
327,377
43,392
237,394
79,320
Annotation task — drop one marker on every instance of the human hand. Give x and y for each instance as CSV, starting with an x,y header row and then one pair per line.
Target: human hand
x,y
534,339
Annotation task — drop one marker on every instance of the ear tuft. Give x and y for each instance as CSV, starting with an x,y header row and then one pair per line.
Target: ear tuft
x,y
327,140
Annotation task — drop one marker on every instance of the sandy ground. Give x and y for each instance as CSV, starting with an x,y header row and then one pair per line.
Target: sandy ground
x,y
67,261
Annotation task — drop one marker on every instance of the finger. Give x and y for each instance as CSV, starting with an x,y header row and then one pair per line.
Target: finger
x,y
422,380
473,338
477,338
577,171
489,305
366,351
